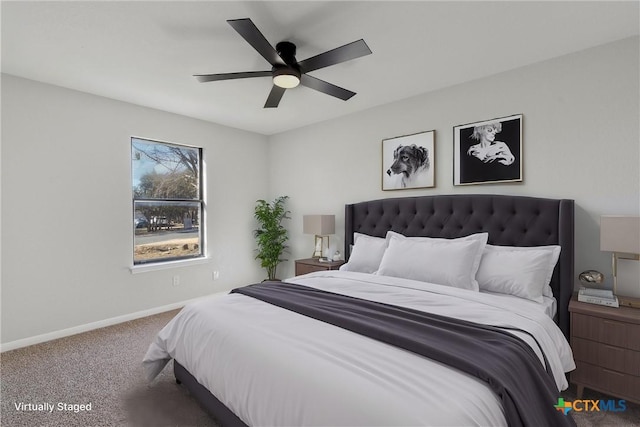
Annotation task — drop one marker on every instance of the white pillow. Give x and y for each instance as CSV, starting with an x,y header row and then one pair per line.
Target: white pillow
x,y
366,253
521,271
450,262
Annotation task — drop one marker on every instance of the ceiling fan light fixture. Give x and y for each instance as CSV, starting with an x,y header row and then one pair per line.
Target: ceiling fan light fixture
x,y
286,71
286,78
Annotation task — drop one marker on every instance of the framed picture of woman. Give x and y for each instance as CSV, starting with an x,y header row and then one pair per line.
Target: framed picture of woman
x,y
408,161
488,152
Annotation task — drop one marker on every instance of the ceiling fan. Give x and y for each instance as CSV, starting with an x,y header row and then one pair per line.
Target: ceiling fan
x,y
286,71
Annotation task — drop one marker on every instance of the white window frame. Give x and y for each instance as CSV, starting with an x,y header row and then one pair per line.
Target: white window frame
x,y
169,263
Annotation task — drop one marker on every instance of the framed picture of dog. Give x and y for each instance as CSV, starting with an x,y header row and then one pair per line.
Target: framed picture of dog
x,y
408,161
488,152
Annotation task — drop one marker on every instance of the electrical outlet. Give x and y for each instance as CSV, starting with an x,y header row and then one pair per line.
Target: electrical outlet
x,y
176,280
215,275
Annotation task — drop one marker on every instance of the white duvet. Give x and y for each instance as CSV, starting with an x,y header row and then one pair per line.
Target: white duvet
x,y
271,366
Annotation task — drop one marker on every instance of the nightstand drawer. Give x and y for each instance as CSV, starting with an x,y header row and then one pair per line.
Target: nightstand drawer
x,y
606,380
306,268
608,356
613,332
310,265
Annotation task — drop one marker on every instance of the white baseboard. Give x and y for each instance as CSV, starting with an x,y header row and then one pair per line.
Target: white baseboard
x,y
12,345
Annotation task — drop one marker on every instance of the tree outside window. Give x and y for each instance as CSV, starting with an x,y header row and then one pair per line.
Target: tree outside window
x,y
167,201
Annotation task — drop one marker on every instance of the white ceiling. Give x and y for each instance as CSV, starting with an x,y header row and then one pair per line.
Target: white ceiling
x,y
146,52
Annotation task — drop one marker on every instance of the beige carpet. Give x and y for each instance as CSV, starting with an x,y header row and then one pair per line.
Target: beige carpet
x,y
103,368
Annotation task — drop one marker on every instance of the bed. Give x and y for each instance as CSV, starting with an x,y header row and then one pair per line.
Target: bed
x,y
251,362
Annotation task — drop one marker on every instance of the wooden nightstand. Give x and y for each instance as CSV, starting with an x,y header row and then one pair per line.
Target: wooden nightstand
x,y
309,265
606,348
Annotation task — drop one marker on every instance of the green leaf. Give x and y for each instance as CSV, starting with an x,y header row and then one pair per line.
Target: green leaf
x,y
271,235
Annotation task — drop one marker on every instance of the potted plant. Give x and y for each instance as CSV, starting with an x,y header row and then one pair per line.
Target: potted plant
x,y
271,236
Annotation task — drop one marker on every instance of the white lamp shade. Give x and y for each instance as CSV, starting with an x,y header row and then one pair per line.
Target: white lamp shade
x,y
619,233
320,225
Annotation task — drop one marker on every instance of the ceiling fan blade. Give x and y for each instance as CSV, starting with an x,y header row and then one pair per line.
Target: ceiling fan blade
x,y
247,29
274,97
231,76
335,56
326,87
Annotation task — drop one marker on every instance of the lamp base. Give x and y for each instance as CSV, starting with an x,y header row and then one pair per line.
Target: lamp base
x,y
623,301
320,246
629,302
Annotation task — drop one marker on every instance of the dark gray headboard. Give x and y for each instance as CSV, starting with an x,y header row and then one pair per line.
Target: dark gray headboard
x,y
509,220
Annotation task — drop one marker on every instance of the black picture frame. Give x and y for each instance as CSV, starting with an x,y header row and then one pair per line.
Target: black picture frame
x,y
488,152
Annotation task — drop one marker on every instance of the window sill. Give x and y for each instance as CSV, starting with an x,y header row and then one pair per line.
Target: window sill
x,y
144,268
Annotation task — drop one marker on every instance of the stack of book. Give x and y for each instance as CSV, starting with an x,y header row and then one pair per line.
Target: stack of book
x,y
598,296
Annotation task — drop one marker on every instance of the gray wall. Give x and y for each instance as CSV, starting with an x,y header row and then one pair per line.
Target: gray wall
x,y
581,141
66,208
66,203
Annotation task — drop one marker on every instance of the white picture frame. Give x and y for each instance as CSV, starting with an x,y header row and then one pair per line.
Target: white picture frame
x,y
408,161
488,152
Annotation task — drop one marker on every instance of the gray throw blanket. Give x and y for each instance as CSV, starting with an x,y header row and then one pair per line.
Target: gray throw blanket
x,y
506,363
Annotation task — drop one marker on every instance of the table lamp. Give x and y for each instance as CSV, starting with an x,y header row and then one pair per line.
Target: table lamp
x,y
620,235
321,226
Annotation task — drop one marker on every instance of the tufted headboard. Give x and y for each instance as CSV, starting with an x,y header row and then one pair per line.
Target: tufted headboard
x,y
509,220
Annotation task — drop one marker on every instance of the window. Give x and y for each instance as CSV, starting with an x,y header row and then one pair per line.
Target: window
x,y
168,203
